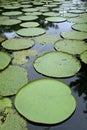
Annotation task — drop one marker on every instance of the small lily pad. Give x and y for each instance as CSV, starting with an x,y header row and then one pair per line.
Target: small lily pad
x,y
12,79
17,44
11,120
80,27
4,60
55,19
29,24
45,101
31,31
11,13
27,18
9,22
5,102
20,56
71,46
46,39
83,57
74,35
57,64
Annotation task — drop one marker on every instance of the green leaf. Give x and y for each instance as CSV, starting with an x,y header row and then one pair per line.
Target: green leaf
x,y
55,19
11,13
27,18
80,27
12,79
29,24
83,57
45,101
57,64
9,22
5,102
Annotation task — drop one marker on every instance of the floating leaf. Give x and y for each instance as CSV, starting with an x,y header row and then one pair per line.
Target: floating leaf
x,y
29,24
70,15
46,39
57,64
33,13
10,120
11,13
5,102
12,79
74,35
80,27
9,7
78,20
17,44
45,101
30,31
9,22
50,14
55,19
83,57
76,11
71,46
4,60
30,9
20,56
27,18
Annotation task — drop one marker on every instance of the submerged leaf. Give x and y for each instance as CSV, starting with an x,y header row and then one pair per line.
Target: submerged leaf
x,y
45,101
12,79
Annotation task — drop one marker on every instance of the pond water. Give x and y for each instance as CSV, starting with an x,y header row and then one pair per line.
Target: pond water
x,y
77,83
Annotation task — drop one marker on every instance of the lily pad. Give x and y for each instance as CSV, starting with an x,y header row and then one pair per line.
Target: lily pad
x,y
5,102
20,57
46,39
71,46
17,44
31,31
9,22
55,19
30,9
27,18
4,60
29,24
57,64
50,14
33,13
11,13
45,101
9,7
11,120
12,79
78,20
74,35
80,27
70,15
83,57
2,38
77,11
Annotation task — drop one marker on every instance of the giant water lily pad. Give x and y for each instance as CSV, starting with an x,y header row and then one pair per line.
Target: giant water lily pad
x,y
5,102
30,9
11,13
21,57
83,57
46,39
11,120
77,11
10,22
29,24
57,64
51,14
4,60
30,31
12,79
17,44
74,35
27,18
55,19
80,27
70,15
78,20
71,46
45,101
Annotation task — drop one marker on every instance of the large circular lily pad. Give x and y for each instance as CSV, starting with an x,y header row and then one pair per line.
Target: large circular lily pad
x,y
4,60
11,13
76,11
83,57
11,120
78,20
46,39
45,101
29,24
12,79
80,27
74,35
55,19
10,22
27,18
17,44
71,46
30,31
57,64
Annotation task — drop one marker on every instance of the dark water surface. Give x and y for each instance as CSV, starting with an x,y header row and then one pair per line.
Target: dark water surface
x,y
78,83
